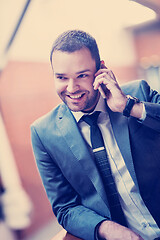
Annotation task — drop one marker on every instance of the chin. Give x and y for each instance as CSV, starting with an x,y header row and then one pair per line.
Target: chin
x,y
74,108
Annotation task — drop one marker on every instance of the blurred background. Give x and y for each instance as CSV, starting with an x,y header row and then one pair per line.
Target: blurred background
x,y
128,35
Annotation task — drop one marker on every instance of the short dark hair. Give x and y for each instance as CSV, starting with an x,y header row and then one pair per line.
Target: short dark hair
x,y
73,40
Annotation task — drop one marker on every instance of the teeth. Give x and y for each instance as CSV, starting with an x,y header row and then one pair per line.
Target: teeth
x,y
76,96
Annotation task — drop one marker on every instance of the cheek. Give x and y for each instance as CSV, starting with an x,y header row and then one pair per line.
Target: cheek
x,y
60,87
88,83
89,86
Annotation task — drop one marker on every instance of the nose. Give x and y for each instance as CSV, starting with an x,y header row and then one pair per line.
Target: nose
x,y
72,86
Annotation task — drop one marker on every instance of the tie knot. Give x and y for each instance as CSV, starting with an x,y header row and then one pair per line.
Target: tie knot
x,y
91,119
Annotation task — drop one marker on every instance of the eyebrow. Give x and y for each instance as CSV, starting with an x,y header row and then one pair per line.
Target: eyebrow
x,y
86,70
80,72
60,74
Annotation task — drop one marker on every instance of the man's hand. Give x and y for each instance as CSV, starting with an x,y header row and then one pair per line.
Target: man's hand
x,y
113,231
116,99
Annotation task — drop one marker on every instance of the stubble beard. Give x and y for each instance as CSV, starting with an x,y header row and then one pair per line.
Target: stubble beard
x,y
87,106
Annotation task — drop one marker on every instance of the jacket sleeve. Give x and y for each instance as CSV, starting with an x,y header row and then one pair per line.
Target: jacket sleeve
x,y
152,106
66,204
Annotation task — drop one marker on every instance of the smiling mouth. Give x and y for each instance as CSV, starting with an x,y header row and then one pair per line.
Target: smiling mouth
x,y
76,96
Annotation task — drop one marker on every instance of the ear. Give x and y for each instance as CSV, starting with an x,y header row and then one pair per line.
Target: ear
x,y
103,64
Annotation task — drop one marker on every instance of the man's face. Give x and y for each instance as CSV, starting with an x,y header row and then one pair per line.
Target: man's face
x,y
74,77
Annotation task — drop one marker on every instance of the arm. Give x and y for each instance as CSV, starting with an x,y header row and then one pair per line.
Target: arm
x,y
116,98
152,107
66,203
110,230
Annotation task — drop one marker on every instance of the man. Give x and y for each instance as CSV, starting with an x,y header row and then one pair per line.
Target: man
x,y
131,134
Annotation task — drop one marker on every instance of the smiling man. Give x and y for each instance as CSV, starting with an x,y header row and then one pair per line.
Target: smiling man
x,y
74,75
98,157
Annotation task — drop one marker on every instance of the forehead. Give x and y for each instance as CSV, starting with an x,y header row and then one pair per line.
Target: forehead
x,y
75,61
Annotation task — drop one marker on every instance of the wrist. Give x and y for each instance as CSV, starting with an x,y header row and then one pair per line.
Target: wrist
x,y
97,235
137,110
103,229
133,107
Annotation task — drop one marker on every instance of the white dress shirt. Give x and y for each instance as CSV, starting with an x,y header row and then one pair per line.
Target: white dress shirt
x,y
138,216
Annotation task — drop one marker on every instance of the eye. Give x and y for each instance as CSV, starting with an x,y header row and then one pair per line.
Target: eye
x,y
83,75
61,77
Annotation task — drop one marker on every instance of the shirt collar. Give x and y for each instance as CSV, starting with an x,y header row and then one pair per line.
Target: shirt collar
x,y
99,107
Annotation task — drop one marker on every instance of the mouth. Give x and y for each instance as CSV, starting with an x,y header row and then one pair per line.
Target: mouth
x,y
77,96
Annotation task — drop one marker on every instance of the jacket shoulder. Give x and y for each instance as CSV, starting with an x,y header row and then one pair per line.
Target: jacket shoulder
x,y
137,88
49,118
136,84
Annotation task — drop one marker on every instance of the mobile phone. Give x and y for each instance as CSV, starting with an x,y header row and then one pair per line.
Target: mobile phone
x,y
101,87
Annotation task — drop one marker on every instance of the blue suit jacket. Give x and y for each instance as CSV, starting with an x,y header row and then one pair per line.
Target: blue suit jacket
x,y
69,174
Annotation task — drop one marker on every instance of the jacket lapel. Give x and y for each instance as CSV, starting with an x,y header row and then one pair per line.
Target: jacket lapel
x,y
120,128
73,138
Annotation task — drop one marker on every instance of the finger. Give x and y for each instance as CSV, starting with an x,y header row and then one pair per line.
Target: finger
x,y
100,81
102,67
102,92
105,71
103,78
102,70
103,74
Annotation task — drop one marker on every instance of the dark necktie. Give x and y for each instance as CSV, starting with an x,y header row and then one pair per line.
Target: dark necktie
x,y
103,166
